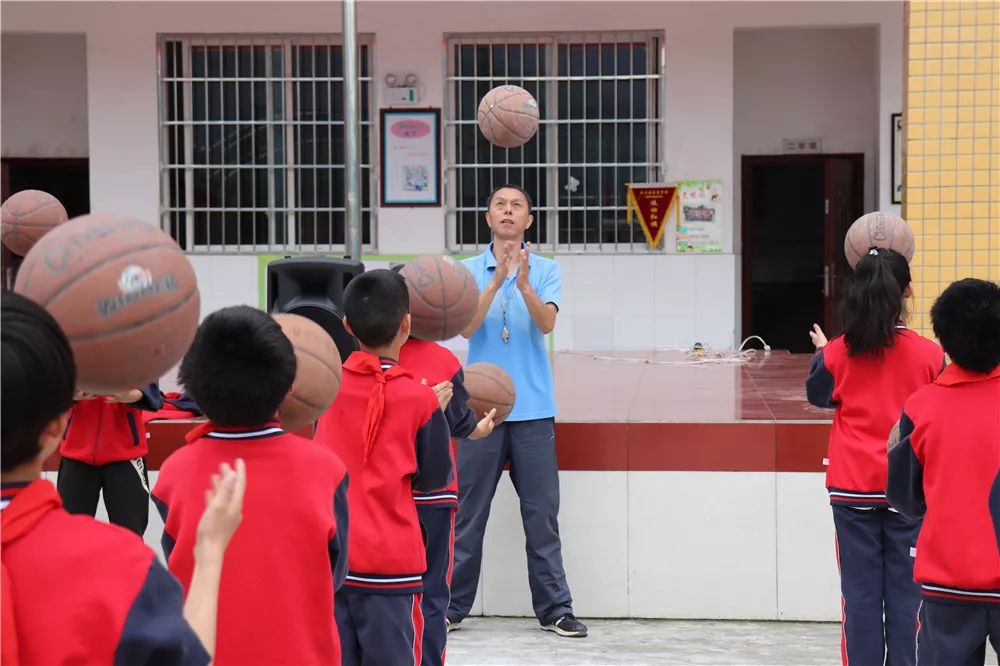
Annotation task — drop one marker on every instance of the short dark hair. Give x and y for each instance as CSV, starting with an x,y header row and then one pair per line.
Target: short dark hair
x,y
39,377
239,368
966,320
527,197
375,303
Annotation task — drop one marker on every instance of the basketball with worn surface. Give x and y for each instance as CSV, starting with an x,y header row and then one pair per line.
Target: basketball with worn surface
x,y
317,373
879,229
489,387
122,291
443,296
27,216
508,116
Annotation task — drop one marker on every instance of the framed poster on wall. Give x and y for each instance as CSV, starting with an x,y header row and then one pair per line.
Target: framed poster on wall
x,y
897,158
410,167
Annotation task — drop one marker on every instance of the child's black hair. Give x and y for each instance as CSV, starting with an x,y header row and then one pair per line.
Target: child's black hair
x,y
527,197
239,367
966,319
39,377
375,303
873,302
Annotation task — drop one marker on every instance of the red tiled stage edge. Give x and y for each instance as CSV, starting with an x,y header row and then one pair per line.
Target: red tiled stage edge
x,y
692,447
638,447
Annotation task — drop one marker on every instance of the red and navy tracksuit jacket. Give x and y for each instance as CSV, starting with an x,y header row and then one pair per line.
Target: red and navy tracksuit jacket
x,y
389,430
76,591
101,432
287,557
175,406
430,361
944,469
868,392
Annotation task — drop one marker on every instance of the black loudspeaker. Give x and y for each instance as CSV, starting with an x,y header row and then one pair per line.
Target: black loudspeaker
x,y
313,287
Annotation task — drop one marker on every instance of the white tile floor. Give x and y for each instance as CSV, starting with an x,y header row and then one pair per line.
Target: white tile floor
x,y
518,642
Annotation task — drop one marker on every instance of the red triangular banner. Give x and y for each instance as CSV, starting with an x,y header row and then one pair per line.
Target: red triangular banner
x,y
652,203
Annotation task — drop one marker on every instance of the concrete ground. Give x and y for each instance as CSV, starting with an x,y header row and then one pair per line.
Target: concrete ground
x,y
518,642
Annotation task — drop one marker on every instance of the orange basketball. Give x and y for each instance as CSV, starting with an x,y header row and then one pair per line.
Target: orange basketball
x,y
317,373
880,229
489,387
443,296
508,116
123,292
27,216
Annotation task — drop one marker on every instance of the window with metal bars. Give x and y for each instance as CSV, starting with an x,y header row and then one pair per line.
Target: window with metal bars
x,y
599,98
252,142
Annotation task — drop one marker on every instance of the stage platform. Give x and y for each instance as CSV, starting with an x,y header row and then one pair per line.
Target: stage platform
x,y
661,411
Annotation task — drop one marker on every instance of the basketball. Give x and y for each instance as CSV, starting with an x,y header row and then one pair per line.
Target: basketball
x,y
317,373
489,387
122,291
508,116
27,216
443,296
880,229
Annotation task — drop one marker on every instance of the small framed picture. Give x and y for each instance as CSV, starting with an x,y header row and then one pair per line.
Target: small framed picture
x,y
897,158
410,167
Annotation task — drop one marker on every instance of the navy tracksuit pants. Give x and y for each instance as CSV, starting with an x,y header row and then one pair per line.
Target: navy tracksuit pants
x,y
438,524
879,597
954,633
379,629
529,446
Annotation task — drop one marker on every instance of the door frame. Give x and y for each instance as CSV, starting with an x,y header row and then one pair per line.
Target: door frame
x,y
747,164
7,163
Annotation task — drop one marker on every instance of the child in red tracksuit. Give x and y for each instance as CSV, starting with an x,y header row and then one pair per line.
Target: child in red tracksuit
x,y
867,374
104,449
943,470
440,368
276,598
436,508
391,433
76,591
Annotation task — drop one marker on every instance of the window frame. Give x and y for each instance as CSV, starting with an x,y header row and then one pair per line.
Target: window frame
x,y
287,122
655,142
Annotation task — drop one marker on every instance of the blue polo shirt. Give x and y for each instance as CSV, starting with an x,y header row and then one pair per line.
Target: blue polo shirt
x,y
524,356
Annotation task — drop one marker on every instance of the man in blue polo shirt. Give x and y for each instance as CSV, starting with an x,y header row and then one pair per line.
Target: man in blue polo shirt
x,y
518,304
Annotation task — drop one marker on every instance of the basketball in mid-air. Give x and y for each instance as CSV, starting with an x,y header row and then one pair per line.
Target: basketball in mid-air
x,y
443,296
508,116
123,292
27,216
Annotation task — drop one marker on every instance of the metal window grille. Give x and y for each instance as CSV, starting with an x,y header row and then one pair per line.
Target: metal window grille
x,y
252,142
600,105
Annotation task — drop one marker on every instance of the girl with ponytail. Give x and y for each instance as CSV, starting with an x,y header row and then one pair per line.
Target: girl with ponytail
x,y
866,375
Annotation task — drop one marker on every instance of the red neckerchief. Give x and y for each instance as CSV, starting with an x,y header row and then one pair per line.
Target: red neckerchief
x,y
365,363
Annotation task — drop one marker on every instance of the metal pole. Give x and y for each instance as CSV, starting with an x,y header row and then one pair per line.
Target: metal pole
x,y
352,132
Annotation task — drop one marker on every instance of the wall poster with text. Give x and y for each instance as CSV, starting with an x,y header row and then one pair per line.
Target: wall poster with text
x,y
699,220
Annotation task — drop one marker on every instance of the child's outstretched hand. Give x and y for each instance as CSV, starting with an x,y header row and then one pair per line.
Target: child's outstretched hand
x,y
817,336
223,511
485,426
444,392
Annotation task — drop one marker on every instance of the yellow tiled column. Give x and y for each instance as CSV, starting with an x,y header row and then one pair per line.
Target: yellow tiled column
x,y
951,193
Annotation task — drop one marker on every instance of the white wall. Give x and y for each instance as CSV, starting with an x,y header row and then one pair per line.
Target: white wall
x,y
698,117
759,546
796,83
43,108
